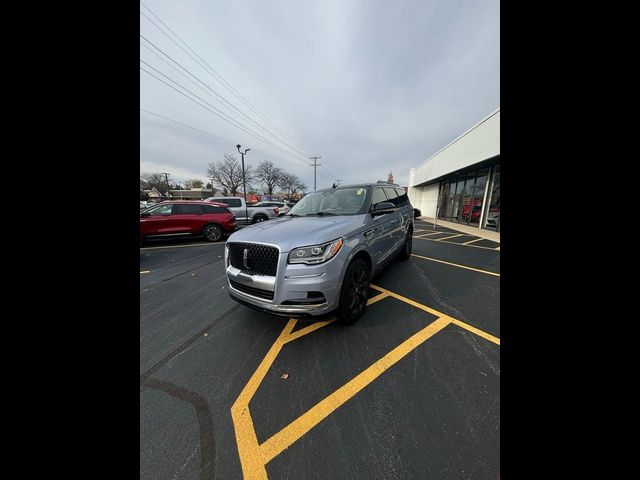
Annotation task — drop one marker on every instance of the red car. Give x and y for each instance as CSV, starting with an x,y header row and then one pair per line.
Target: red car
x,y
187,218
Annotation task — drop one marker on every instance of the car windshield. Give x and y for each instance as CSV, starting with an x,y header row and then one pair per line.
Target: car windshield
x,y
339,201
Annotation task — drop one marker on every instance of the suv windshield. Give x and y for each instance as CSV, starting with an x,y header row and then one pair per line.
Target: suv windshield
x,y
339,201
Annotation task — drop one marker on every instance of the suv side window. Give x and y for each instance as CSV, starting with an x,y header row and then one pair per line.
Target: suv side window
x,y
214,209
378,196
184,209
393,195
160,210
232,202
404,199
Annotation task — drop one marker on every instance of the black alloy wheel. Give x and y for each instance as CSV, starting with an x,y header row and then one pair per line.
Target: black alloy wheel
x,y
405,253
354,292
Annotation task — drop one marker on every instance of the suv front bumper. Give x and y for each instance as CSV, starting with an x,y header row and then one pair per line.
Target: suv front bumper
x,y
290,288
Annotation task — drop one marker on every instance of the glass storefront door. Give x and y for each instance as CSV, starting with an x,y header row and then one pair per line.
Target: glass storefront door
x,y
492,218
457,199
466,198
444,199
478,197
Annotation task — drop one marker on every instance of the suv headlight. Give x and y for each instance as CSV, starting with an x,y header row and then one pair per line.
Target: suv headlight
x,y
315,254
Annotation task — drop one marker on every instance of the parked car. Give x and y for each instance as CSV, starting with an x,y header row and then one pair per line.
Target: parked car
x,y
187,218
493,219
475,213
282,206
320,256
237,206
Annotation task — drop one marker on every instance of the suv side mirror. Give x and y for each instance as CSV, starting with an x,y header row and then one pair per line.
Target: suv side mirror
x,y
382,208
416,213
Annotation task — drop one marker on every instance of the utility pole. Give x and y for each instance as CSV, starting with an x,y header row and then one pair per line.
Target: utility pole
x,y
166,180
314,165
244,183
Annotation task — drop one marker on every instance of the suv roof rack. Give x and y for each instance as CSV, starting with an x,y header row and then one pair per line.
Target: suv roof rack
x,y
387,183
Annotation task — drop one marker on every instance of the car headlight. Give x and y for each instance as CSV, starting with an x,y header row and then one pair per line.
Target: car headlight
x,y
315,254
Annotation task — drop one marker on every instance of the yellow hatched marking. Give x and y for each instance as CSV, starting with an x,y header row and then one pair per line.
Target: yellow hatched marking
x,y
255,456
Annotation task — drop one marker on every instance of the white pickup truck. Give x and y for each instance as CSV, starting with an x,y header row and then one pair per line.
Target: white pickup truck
x,y
246,214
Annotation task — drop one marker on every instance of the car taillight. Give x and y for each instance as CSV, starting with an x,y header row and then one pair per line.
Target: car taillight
x,y
276,210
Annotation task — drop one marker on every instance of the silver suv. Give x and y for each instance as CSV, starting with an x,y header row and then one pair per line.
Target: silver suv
x,y
320,256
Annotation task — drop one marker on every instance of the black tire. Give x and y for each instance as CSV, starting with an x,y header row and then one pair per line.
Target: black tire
x,y
405,253
354,292
212,232
259,217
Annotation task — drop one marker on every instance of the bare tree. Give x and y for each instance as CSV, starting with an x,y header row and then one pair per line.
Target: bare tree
x,y
193,183
213,189
227,173
291,185
269,175
156,180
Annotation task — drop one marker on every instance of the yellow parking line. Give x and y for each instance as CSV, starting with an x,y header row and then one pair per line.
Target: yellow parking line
x,y
248,448
462,324
447,238
407,300
377,298
300,426
303,331
427,234
456,265
477,331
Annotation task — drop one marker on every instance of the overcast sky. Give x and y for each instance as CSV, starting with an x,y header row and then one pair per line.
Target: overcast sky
x,y
370,86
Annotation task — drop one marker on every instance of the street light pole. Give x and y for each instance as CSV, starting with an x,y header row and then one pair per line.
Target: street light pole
x,y
244,183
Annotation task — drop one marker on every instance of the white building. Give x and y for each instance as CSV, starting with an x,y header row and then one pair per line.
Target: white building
x,y
461,182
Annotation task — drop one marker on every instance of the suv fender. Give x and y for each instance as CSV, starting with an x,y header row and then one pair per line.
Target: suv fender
x,y
356,252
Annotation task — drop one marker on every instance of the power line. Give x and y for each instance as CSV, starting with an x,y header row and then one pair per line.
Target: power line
x,y
329,173
220,114
212,71
168,119
278,139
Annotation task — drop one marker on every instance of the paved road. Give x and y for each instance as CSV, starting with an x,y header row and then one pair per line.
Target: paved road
x,y
412,390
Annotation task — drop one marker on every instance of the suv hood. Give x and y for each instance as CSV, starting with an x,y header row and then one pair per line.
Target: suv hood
x,y
292,232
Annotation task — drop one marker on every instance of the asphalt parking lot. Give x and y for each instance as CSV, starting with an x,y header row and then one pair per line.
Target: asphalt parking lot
x,y
412,390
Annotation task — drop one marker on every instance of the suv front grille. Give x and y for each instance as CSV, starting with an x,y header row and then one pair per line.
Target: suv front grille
x,y
260,259
256,292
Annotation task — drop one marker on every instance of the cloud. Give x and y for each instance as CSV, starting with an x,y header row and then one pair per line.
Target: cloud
x,y
369,86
